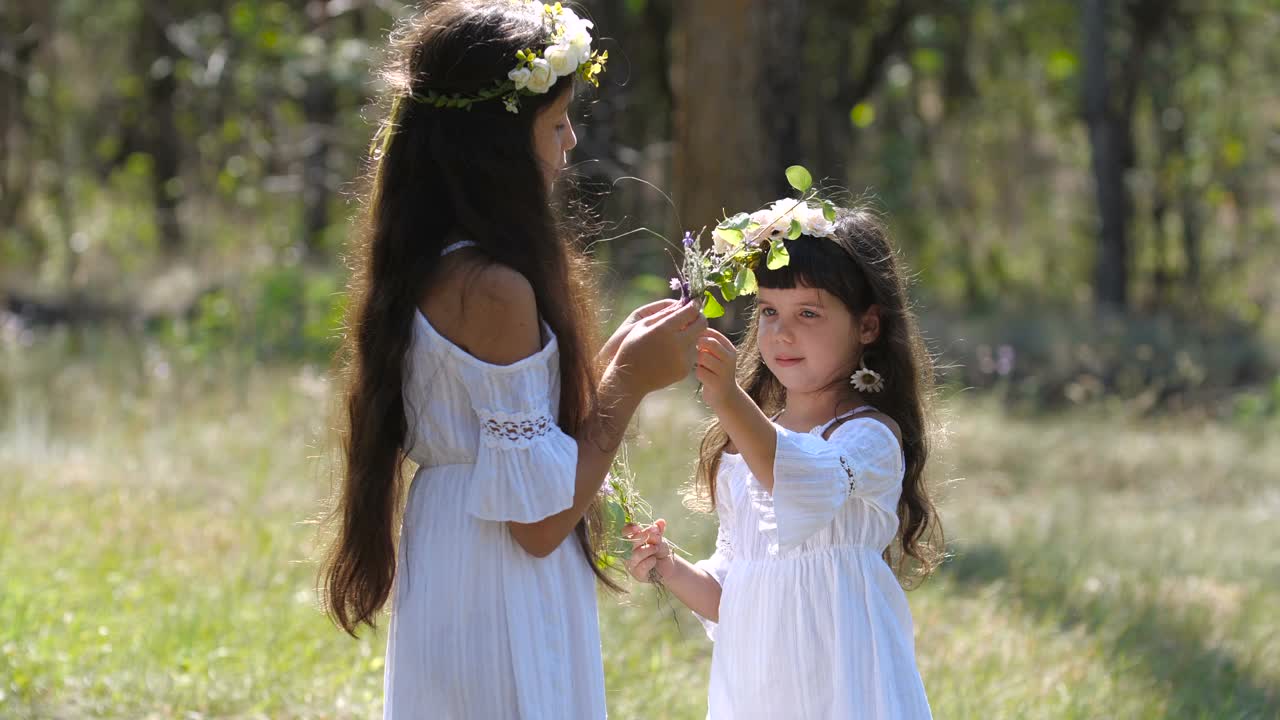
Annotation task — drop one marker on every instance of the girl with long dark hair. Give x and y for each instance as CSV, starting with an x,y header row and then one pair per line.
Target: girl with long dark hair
x,y
469,351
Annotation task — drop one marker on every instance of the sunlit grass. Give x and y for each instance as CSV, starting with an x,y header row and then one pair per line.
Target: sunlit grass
x,y
155,559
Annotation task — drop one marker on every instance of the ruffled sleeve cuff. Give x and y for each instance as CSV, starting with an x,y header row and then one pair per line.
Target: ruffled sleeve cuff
x,y
813,477
526,469
526,466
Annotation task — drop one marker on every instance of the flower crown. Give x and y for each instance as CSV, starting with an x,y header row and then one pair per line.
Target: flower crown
x,y
538,70
741,241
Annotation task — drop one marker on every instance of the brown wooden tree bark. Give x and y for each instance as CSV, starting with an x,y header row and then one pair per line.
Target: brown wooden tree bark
x,y
320,108
24,29
1108,138
718,140
159,130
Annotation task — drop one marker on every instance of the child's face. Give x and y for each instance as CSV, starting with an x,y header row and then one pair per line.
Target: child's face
x,y
808,337
553,137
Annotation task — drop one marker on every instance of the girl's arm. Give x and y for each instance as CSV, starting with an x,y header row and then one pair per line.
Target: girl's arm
x,y
693,586
751,432
501,327
651,357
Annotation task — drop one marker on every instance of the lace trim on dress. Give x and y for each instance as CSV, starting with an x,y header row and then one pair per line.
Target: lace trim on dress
x,y
844,463
500,429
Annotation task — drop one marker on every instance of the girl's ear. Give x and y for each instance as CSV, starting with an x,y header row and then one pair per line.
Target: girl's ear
x,y
869,326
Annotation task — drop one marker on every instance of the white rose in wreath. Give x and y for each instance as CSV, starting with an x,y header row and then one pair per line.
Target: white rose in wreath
x,y
541,77
579,39
562,59
520,76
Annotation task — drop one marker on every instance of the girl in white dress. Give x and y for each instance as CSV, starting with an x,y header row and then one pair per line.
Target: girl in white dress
x,y
819,503
469,353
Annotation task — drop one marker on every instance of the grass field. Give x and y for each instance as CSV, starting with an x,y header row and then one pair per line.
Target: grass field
x,y
155,559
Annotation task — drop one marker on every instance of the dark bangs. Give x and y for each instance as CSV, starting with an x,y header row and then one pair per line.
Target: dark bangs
x,y
820,263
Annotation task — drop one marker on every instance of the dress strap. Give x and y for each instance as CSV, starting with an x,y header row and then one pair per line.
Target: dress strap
x,y
843,416
457,246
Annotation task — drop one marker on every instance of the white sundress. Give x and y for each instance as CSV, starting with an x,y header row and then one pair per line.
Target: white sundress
x,y
813,623
480,629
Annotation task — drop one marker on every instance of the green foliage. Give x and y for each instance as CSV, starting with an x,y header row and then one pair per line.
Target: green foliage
x,y
778,255
710,307
1045,358
280,314
971,138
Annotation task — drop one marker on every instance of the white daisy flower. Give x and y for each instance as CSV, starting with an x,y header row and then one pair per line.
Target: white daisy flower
x,y
865,380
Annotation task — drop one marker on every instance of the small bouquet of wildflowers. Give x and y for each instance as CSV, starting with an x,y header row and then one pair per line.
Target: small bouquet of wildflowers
x,y
623,507
741,241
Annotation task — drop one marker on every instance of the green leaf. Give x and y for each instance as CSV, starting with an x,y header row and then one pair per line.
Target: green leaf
x,y
711,308
737,222
728,289
828,211
617,515
799,178
728,235
795,231
745,282
778,255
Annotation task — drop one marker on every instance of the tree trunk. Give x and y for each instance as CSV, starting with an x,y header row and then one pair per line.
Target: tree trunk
x,y
881,44
22,34
1107,138
319,109
159,129
718,138
781,93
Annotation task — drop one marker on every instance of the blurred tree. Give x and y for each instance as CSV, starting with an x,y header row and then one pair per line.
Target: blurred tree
x,y
719,90
1061,153
319,109
1112,81
25,27
156,126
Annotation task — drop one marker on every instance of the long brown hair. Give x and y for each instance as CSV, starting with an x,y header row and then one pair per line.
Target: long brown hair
x,y
859,267
441,172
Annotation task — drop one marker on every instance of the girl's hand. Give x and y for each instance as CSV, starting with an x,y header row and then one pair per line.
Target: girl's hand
x,y
610,349
717,368
650,552
659,349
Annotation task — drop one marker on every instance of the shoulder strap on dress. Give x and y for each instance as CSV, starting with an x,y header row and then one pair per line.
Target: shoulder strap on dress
x,y
841,419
